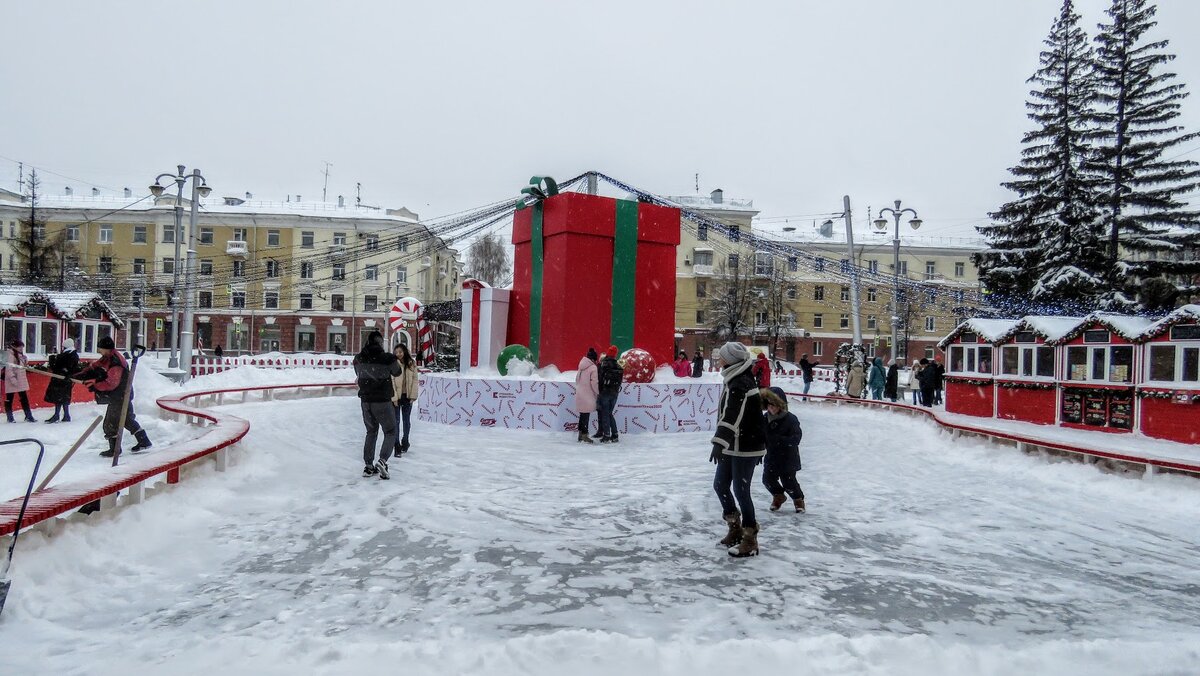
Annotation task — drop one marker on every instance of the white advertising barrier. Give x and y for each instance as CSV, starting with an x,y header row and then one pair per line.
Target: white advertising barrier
x,y
550,405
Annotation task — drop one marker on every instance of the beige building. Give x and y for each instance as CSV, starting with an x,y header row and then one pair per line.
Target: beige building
x,y
811,267
290,276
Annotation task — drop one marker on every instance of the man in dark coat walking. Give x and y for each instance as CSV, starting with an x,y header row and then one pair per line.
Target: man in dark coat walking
x,y
375,368
927,379
891,389
698,365
109,376
806,371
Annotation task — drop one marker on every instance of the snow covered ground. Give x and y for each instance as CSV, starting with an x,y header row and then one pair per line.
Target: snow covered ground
x,y
504,552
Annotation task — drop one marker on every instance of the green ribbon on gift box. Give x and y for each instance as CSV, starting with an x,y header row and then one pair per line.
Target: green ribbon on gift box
x,y
539,188
624,278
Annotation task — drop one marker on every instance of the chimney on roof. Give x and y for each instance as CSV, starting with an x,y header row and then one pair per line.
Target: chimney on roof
x,y
128,192
95,192
717,196
249,196
67,191
297,198
341,201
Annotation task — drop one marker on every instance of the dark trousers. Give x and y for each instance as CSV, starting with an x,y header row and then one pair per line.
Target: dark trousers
x,y
112,418
605,405
927,396
377,414
585,419
732,484
65,409
782,482
937,395
403,416
8,402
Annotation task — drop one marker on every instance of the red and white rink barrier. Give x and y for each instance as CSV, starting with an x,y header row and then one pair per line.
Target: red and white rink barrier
x,y
203,366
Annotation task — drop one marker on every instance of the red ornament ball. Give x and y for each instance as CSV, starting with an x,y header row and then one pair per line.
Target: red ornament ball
x,y
639,366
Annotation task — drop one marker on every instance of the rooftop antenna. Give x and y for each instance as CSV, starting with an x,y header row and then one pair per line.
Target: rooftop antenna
x,y
325,189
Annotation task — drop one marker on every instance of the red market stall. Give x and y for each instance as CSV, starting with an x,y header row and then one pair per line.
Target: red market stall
x,y
1099,360
970,368
1169,395
1026,380
43,319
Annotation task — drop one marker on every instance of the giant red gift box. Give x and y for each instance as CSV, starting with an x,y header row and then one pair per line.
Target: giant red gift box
x,y
594,249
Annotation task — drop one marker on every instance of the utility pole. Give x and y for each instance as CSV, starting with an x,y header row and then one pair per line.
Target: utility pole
x,y
358,194
854,305
592,188
325,189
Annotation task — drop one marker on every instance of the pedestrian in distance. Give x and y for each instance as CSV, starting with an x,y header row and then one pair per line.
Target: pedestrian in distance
x,y
806,371
611,376
375,367
698,365
737,448
856,380
59,390
107,378
405,391
914,382
891,389
16,382
218,352
762,370
587,390
927,379
783,451
778,366
681,366
877,379
938,380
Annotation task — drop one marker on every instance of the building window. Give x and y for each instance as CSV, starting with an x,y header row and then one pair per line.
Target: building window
x,y
818,321
844,321
760,318
930,324
339,239
402,242
844,266
871,323
702,232
272,238
135,298
237,299
702,257
273,267
239,234
930,269
904,268
168,234
818,292
139,266
817,348
139,234
700,316
960,296
239,268
206,236
371,273
370,303
819,264
339,271
206,266
930,295
735,233
306,301
791,293
307,238
105,266
72,233
701,289
960,269
106,234
845,293
764,264
168,265
401,275
271,300
872,296
793,263
733,261
372,242
873,267
306,270
205,300
337,302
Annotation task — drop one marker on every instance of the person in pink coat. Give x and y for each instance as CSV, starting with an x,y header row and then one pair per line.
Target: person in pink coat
x,y
15,381
681,366
587,388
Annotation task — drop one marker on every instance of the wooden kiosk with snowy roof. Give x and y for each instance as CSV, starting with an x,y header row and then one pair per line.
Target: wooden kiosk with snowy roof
x,y
1099,367
970,365
1169,397
1027,369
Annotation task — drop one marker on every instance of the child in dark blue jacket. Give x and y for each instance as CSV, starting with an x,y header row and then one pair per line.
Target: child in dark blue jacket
x,y
783,451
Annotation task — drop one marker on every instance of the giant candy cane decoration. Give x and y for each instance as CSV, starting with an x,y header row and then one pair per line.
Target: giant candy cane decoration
x,y
410,309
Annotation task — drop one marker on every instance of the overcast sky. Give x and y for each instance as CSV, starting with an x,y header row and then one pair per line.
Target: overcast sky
x,y
443,106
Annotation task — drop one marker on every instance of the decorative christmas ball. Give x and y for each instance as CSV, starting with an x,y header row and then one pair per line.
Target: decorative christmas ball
x,y
515,360
639,366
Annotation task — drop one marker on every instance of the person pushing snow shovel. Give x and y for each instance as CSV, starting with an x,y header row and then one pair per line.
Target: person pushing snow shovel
x,y
107,378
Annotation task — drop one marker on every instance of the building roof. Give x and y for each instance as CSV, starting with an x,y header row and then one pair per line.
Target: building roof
x,y
810,234
1056,330
63,304
1187,313
991,330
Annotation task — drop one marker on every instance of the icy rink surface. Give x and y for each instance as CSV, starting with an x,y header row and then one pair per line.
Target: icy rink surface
x,y
498,552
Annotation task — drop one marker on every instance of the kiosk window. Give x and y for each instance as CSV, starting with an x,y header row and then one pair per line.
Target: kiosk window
x,y
1045,362
1120,367
1162,362
1191,365
1010,357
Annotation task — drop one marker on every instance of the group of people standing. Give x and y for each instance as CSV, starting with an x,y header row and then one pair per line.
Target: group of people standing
x,y
388,385
683,368
597,386
925,381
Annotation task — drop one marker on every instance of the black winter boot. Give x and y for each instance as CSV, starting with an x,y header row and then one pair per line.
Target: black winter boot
x,y
112,449
143,442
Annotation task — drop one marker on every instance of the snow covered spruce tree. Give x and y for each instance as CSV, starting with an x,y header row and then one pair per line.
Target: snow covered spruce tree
x,y
1045,245
1142,179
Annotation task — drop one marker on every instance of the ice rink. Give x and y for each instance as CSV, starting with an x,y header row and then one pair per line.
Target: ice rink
x,y
504,552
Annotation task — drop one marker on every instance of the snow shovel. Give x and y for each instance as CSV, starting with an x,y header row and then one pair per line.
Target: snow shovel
x,y
5,583
137,352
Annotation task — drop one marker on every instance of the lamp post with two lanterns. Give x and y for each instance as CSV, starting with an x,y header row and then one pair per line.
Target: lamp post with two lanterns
x,y
183,338
881,226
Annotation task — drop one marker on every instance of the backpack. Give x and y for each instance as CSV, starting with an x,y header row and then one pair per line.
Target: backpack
x,y
611,376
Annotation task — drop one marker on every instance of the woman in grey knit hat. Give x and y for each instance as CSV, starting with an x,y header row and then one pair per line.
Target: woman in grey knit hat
x,y
737,448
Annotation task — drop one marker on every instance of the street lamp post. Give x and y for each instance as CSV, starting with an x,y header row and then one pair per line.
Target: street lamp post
x,y
854,304
881,226
181,335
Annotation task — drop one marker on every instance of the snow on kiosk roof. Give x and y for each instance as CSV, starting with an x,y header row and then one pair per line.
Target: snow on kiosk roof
x,y
991,330
1131,328
1187,313
65,305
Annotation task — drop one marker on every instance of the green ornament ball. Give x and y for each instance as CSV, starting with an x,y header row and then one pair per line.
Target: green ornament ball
x,y
515,359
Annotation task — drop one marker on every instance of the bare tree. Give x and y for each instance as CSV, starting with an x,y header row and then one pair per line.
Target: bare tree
x,y
732,298
488,261
776,305
39,256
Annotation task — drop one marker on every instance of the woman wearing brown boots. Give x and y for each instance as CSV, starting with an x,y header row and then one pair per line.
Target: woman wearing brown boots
x,y
737,448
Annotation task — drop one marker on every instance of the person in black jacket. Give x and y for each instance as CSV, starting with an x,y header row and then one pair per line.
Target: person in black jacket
x,y
698,365
891,388
938,381
783,451
737,448
59,390
927,379
610,377
375,368
806,372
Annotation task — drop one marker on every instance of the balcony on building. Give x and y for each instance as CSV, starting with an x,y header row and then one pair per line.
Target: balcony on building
x,y
237,248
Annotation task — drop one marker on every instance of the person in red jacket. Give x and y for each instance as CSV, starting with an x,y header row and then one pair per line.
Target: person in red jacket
x,y
108,377
762,370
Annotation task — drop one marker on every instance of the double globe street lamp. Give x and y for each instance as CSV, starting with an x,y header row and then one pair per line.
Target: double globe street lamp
x,y
881,225
183,338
